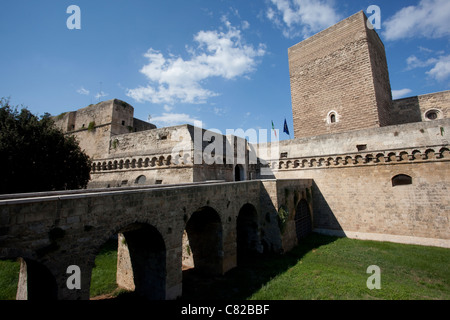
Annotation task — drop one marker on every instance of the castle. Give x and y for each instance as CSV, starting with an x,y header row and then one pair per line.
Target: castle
x,y
380,167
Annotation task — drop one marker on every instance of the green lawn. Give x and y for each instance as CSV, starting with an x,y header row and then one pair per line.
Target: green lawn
x,y
322,267
330,268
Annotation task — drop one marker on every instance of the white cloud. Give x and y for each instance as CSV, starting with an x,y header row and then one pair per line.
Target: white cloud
x,y
168,108
100,94
302,17
429,19
174,79
173,119
441,70
83,91
414,62
397,94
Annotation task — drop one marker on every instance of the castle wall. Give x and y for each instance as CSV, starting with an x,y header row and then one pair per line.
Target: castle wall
x,y
353,191
414,109
333,72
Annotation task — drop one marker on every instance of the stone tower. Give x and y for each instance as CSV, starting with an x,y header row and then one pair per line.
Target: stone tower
x,y
340,80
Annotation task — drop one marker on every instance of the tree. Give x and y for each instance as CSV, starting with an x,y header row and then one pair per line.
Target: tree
x,y
35,156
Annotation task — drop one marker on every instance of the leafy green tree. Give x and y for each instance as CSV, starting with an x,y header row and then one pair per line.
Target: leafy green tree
x,y
35,156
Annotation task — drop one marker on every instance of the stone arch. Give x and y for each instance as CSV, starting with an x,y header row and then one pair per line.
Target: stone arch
x,y
35,280
204,241
404,156
141,260
121,164
248,239
392,157
416,155
444,153
429,154
369,158
380,158
303,220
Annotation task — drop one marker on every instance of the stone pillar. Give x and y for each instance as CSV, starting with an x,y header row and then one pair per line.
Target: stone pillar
x,y
22,288
125,278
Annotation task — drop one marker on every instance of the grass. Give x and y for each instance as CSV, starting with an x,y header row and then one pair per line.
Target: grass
x,y
9,276
321,268
103,279
336,270
329,268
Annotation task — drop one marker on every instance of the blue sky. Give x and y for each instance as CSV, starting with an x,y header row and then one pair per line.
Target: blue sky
x,y
223,62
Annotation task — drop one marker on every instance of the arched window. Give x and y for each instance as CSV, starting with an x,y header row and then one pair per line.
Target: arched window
x,y
401,180
332,117
141,180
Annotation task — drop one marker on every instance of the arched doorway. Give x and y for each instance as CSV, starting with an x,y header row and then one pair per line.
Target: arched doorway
x,y
239,173
247,233
303,220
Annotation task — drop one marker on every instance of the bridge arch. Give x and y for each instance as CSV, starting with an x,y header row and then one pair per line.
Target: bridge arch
x,y
203,241
248,238
35,280
141,260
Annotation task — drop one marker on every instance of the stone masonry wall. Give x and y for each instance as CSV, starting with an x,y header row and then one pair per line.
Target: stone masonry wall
x,y
333,71
353,193
414,109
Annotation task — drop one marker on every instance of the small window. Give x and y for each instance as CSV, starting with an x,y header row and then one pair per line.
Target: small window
x,y
123,123
284,155
361,147
141,180
332,117
433,114
401,180
158,182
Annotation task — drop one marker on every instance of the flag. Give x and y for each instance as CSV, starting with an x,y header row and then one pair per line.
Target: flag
x,y
286,129
273,127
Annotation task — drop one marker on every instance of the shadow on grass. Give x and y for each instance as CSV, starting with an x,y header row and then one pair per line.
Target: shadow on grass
x,y
249,276
243,281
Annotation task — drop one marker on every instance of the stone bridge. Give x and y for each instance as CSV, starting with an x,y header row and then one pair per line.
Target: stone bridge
x,y
52,231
